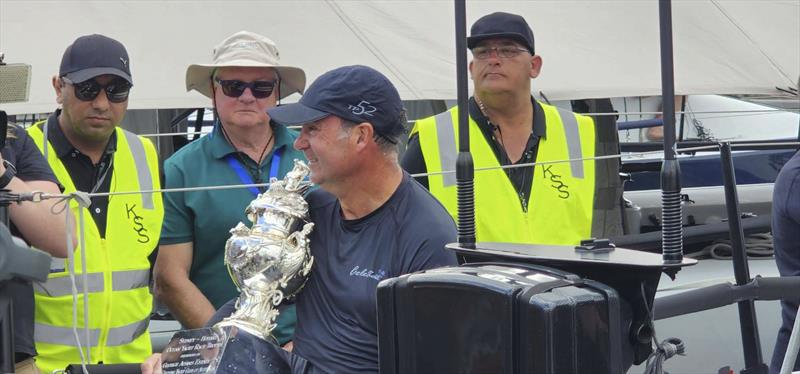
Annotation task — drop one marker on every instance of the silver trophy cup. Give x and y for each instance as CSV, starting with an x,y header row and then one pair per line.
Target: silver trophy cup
x,y
269,262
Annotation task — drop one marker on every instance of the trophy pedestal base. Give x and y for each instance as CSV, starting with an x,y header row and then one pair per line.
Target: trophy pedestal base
x,y
227,350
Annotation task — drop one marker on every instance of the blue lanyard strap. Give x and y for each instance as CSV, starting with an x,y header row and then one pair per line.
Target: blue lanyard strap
x,y
245,177
276,163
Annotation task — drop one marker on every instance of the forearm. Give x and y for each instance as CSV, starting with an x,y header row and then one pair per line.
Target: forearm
x,y
184,300
37,222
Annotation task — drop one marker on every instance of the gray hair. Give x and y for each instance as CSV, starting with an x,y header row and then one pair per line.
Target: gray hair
x,y
386,142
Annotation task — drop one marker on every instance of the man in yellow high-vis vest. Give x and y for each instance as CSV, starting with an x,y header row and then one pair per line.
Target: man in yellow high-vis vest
x,y
89,152
551,203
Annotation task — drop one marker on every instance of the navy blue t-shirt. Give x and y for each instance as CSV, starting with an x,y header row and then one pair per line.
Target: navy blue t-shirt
x,y
337,326
786,237
21,151
336,311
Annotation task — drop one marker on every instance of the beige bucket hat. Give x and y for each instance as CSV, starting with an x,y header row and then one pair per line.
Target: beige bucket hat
x,y
246,49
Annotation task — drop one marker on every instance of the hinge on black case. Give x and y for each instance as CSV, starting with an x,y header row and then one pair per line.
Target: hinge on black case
x,y
595,245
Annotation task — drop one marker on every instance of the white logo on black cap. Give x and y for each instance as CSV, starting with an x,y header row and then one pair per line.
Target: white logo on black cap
x,y
363,107
124,61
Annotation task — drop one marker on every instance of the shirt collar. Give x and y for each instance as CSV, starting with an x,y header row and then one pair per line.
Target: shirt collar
x,y
60,143
221,148
539,126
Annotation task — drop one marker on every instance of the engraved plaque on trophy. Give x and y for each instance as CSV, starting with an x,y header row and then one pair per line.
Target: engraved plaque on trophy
x,y
269,262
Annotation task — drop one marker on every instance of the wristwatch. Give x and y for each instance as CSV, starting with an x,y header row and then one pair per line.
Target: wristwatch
x,y
6,178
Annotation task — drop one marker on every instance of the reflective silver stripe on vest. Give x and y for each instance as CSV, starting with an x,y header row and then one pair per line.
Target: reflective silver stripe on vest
x,y
121,281
126,334
573,135
142,169
447,146
130,279
62,286
44,333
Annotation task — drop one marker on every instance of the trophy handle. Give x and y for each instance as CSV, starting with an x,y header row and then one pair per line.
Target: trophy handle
x,y
299,239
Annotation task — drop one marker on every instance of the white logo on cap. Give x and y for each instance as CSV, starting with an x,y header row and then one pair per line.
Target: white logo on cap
x,y
124,61
363,107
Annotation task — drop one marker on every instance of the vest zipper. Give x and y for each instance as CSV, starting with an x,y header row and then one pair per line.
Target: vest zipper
x,y
524,202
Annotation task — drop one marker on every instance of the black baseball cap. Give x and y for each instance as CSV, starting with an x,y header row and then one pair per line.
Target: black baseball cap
x,y
501,25
92,55
355,93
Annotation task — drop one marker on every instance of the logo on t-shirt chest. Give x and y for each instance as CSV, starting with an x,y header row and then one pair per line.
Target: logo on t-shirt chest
x,y
377,275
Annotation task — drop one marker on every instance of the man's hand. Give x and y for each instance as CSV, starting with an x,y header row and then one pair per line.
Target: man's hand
x,y
152,365
174,288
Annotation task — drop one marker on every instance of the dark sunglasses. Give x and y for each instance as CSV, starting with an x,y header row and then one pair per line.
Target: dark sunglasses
x,y
116,91
235,88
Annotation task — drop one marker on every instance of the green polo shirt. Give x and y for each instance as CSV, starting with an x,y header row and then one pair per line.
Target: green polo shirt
x,y
205,217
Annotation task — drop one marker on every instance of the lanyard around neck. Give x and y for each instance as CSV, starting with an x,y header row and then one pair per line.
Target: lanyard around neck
x,y
245,176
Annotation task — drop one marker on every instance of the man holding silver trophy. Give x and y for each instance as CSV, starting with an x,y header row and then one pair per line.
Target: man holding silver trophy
x,y
269,261
371,220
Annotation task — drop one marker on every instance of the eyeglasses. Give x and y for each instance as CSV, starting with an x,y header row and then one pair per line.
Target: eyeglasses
x,y
235,88
117,90
503,51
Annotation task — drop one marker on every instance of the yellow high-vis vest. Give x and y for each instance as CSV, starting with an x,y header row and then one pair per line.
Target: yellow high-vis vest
x,y
559,211
117,267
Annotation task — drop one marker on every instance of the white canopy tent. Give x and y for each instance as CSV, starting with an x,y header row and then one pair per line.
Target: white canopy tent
x,y
590,48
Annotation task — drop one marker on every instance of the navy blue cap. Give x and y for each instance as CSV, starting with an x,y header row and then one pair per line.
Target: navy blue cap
x,y
354,93
501,25
93,55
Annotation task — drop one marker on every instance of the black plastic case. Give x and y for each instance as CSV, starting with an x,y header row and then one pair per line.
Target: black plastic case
x,y
501,318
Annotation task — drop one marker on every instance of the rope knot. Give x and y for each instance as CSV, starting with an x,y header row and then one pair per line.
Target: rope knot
x,y
671,347
668,348
82,198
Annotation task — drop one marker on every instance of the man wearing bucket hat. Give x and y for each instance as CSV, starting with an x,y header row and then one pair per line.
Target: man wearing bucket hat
x,y
548,204
245,147
371,220
88,151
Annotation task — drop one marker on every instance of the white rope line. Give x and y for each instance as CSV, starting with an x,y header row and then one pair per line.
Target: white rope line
x,y
37,195
621,113
58,208
733,113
